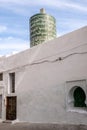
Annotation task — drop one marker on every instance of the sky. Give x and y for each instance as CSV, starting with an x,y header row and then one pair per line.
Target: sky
x,y
15,14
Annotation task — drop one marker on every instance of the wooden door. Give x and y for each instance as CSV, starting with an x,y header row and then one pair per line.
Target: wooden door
x,y
0,106
11,108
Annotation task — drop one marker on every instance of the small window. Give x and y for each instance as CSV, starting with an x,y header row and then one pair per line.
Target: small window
x,y
76,96
1,76
79,97
12,82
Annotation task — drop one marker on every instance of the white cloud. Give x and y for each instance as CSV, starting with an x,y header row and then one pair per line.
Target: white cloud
x,y
72,23
76,6
2,28
15,44
14,30
11,4
18,31
68,25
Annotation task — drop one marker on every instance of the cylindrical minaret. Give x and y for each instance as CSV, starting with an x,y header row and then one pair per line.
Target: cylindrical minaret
x,y
42,28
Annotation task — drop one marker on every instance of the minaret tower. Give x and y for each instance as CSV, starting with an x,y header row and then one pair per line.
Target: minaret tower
x,y
42,28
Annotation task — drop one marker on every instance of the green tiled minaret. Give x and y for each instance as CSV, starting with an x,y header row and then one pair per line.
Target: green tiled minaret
x,y
42,28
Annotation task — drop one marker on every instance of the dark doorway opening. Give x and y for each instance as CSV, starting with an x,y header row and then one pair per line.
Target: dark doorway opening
x,y
79,97
11,108
0,106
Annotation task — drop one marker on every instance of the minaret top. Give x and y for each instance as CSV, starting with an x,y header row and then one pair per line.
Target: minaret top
x,y
42,10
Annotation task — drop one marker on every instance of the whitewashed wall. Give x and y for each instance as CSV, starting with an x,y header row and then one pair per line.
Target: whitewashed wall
x,y
41,86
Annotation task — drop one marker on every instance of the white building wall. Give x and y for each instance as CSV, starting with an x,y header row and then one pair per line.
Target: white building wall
x,y
43,96
41,78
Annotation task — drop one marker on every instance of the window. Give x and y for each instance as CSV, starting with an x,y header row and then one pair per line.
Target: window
x,y
1,76
76,96
79,97
12,82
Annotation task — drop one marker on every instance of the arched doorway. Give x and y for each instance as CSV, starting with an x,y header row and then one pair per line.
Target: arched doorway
x,y
79,97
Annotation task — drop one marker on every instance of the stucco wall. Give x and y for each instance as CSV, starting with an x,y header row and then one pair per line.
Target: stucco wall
x,y
41,78
42,97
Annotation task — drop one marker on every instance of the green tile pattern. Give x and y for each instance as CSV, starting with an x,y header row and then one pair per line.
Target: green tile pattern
x,y
42,28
